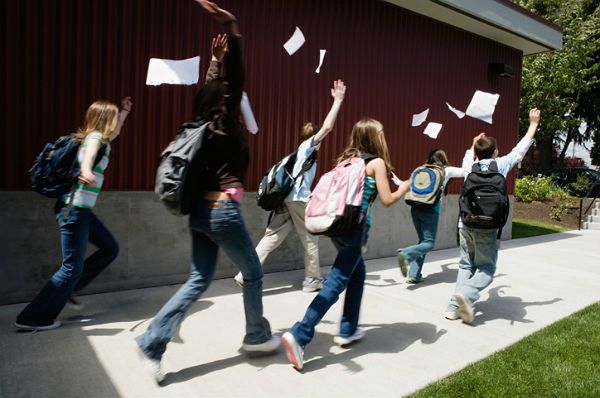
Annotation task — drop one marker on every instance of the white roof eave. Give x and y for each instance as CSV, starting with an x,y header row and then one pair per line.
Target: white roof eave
x,y
491,19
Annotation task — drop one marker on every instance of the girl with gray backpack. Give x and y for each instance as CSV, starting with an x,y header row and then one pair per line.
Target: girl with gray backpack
x,y
215,217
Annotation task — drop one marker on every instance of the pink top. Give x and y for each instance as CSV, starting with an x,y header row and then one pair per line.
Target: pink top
x,y
236,194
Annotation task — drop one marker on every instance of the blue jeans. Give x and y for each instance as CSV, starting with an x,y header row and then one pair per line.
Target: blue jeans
x,y
213,225
477,265
348,272
425,221
76,271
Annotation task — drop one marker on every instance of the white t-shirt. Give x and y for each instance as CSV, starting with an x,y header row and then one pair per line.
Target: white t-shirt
x,y
301,190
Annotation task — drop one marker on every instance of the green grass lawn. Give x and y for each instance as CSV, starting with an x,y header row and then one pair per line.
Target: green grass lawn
x,y
562,360
523,228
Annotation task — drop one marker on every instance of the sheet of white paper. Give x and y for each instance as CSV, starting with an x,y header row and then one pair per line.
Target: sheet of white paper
x,y
459,114
432,130
396,180
171,71
321,58
247,114
295,42
482,106
419,118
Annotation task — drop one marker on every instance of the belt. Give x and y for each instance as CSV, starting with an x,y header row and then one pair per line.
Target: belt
x,y
216,196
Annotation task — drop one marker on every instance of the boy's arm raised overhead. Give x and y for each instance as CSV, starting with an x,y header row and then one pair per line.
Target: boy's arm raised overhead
x,y
517,154
337,92
469,158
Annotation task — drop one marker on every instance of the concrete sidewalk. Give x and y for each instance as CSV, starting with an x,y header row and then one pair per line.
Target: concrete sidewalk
x,y
407,345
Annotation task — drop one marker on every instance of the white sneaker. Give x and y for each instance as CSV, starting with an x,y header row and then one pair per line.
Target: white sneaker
x,y
294,352
239,279
345,340
451,315
312,284
465,308
152,366
37,327
270,345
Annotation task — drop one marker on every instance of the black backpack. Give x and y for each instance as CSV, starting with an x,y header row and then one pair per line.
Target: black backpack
x,y
484,201
278,182
182,169
53,173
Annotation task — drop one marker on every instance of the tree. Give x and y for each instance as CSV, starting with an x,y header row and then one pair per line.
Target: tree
x,y
564,84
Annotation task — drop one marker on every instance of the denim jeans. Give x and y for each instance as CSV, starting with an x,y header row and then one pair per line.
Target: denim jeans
x,y
212,225
75,273
425,221
477,265
348,272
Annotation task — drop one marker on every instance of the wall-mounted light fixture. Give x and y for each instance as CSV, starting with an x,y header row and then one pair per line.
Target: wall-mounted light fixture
x,y
501,70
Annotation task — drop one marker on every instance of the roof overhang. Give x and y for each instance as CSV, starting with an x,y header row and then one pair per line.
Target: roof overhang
x,y
498,20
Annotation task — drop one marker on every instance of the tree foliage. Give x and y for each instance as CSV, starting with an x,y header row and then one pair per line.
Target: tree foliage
x,y
564,84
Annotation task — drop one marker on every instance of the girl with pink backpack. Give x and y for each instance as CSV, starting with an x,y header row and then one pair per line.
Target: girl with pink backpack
x,y
368,148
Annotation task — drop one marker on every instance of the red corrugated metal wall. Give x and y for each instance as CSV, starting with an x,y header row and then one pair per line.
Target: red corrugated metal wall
x,y
60,55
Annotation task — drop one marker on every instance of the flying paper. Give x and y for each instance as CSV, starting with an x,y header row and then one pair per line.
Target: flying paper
x,y
321,58
459,114
396,180
295,42
482,106
419,118
432,130
170,71
247,114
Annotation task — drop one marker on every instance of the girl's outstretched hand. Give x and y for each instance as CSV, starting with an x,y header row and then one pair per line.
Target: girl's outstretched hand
x,y
221,15
126,104
219,47
339,90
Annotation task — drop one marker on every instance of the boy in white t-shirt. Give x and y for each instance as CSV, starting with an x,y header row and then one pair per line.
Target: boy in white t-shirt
x,y
291,215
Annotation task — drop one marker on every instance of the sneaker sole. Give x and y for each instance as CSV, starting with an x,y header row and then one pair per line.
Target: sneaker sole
x,y
272,346
289,352
343,341
311,289
465,310
32,328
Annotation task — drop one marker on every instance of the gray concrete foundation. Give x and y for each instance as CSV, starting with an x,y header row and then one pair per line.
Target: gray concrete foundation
x,y
155,245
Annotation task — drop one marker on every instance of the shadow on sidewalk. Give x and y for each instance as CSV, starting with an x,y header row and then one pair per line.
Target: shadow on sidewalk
x,y
510,308
379,338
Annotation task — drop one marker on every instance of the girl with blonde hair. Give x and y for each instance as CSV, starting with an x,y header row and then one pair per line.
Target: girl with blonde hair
x,y
78,224
348,271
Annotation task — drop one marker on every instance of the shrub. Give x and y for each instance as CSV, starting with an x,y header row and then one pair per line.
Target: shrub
x,y
581,186
530,188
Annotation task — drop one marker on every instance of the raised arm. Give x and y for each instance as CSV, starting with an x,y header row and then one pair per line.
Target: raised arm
x,y
518,152
376,168
337,92
126,106
469,157
218,50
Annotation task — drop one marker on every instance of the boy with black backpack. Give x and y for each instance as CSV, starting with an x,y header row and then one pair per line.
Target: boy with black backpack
x,y
483,212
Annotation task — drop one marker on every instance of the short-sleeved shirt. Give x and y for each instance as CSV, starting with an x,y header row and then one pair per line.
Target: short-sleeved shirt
x,y
85,196
301,190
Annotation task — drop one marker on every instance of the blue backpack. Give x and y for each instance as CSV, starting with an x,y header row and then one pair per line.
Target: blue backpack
x,y
53,173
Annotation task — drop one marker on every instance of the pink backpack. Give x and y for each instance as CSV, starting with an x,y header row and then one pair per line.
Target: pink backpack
x,y
335,203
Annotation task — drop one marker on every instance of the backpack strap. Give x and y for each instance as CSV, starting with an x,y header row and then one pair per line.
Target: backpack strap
x,y
492,168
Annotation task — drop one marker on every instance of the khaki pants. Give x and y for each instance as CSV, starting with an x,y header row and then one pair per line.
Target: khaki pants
x,y
278,229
